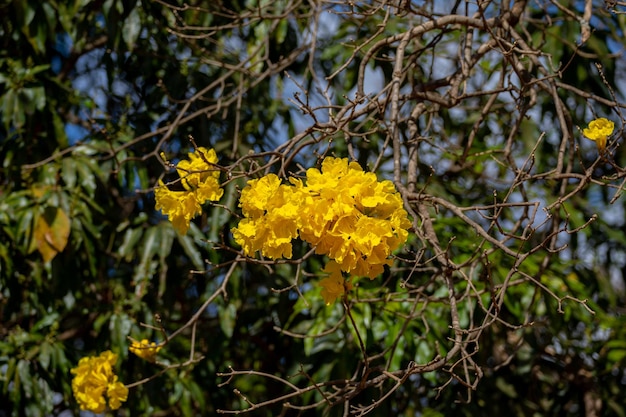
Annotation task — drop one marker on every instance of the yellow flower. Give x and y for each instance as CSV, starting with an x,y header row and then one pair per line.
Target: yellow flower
x,y
270,222
200,174
344,212
145,350
352,217
599,130
335,285
179,206
258,195
117,393
200,180
95,382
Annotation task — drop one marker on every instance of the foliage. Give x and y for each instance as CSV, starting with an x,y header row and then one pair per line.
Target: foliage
x,y
507,296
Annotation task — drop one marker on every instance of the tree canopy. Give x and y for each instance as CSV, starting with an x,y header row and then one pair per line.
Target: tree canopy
x,y
312,207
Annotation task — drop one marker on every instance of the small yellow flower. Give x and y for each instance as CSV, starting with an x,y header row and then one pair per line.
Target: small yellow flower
x,y
95,382
145,350
335,285
599,130
179,206
200,180
200,175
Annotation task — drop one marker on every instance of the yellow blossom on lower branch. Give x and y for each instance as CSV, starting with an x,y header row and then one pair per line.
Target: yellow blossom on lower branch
x,y
95,383
145,350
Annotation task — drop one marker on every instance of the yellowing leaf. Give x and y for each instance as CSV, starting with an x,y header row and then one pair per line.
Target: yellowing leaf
x,y
52,230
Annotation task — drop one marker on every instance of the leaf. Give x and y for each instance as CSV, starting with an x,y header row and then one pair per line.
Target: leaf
x,y
280,33
86,173
30,72
12,113
47,321
23,373
228,318
45,351
132,28
429,412
616,352
39,97
167,239
25,14
9,371
127,248
120,326
52,230
190,248
59,360
147,266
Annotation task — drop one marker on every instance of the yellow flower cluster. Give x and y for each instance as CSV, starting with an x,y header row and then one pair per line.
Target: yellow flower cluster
x,y
200,180
599,130
346,213
145,350
94,380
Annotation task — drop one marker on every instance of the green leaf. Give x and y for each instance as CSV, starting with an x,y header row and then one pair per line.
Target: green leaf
x,y
120,326
429,412
38,96
127,248
12,112
68,172
9,372
281,31
25,12
616,352
228,318
48,320
45,352
25,379
425,352
32,71
146,268
59,360
191,250
132,28
86,173
506,387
